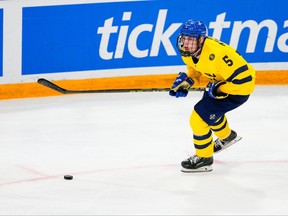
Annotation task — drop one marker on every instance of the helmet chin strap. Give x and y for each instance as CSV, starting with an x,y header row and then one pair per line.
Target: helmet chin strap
x,y
196,54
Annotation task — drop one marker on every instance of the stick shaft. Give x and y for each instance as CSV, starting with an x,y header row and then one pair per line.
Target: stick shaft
x,y
59,89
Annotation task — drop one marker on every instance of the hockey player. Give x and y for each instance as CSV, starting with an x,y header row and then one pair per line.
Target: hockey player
x,y
232,80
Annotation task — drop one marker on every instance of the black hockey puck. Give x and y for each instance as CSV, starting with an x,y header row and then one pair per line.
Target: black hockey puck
x,y
68,177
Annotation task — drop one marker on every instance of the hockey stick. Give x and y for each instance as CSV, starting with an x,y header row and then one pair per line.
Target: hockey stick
x,y
59,89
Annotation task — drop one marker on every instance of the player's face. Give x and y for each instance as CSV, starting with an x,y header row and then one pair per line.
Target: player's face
x,y
190,43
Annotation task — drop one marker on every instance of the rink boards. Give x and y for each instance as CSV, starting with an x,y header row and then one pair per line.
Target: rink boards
x,y
110,44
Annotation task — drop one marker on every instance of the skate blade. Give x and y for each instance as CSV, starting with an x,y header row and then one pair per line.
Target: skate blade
x,y
238,138
201,169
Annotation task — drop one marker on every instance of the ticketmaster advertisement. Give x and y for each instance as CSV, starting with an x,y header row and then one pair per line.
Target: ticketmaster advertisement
x,y
133,34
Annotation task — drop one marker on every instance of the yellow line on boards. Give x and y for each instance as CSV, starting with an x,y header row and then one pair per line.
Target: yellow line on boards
x,y
28,90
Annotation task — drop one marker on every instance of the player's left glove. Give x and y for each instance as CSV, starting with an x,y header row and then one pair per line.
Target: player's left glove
x,y
213,90
181,85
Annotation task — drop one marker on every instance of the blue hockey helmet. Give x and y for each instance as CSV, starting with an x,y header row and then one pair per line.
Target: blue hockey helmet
x,y
192,28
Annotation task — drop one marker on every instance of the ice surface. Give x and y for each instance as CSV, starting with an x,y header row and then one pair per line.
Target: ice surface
x,y
125,149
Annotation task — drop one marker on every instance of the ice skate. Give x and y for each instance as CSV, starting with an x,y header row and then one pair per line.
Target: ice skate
x,y
225,143
197,164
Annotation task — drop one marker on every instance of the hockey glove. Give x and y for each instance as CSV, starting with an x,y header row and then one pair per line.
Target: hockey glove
x,y
181,85
212,90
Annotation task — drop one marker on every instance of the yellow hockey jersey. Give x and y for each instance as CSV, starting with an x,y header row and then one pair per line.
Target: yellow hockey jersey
x,y
220,62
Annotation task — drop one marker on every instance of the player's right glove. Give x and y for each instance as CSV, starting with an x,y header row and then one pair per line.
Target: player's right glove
x,y
213,90
181,85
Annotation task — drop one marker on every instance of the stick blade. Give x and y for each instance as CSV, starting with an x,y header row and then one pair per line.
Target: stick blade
x,y
51,85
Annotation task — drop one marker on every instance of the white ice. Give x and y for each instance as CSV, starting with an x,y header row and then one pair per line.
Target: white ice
x,y
125,149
